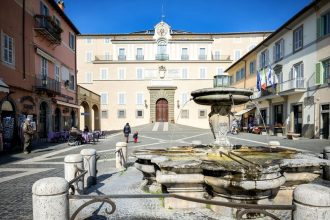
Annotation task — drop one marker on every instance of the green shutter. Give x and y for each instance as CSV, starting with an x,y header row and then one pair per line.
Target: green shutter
x,y
319,74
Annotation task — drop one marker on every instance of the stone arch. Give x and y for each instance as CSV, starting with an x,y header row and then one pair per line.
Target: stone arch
x,y
96,117
159,93
85,115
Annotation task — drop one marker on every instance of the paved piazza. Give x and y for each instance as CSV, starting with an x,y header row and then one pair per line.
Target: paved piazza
x,y
18,172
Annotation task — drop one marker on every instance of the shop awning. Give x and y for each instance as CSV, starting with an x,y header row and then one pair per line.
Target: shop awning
x,y
67,104
3,86
243,111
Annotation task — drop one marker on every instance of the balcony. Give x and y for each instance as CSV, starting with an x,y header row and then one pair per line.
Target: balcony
x,y
292,86
202,57
161,57
48,85
103,58
121,57
139,57
184,57
221,57
47,28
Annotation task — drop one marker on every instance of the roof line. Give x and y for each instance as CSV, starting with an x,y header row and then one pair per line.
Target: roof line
x,y
292,19
224,33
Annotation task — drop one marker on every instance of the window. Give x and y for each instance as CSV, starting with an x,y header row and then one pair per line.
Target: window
x,y
219,71
107,40
139,98
121,53
72,82
121,98
43,9
104,98
262,117
322,72
297,76
240,74
264,59
278,114
326,69
252,67
106,55
278,50
71,41
323,25
44,67
202,113
8,53
121,74
88,77
216,55
139,54
202,54
298,39
184,73
103,73
57,73
183,98
139,73
139,113
184,113
202,73
121,113
237,54
88,40
184,54
89,56
104,114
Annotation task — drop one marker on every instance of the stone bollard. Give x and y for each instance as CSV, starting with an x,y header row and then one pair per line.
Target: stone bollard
x,y
326,168
72,164
121,155
89,156
50,199
311,202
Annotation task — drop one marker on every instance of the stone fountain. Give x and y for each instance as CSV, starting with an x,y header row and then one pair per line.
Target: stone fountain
x,y
221,171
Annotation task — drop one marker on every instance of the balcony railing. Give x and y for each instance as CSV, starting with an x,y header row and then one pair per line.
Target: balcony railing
x,y
103,57
161,57
184,57
122,57
49,85
46,27
202,57
220,57
292,84
139,57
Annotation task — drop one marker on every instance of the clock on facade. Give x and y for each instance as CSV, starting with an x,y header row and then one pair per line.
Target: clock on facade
x,y
162,31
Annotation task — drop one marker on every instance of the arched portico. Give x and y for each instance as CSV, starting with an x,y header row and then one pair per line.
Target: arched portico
x,y
85,115
96,117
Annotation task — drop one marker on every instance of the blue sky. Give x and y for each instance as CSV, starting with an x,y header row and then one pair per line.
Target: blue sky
x,y
199,16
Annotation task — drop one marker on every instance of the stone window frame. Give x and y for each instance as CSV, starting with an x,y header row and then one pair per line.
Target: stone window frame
x,y
183,116
137,115
202,110
119,113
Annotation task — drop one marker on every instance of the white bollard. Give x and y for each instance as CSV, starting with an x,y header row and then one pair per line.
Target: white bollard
x,y
50,199
326,168
89,156
121,155
311,202
72,164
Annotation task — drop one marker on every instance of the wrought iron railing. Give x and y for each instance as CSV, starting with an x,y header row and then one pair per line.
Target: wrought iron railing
x,y
296,83
44,83
139,57
184,57
103,57
202,57
161,57
121,57
220,57
47,27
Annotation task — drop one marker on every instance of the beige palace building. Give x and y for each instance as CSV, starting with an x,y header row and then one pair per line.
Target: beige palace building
x,y
145,77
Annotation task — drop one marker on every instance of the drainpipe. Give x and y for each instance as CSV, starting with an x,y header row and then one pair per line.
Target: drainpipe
x,y
23,38
244,73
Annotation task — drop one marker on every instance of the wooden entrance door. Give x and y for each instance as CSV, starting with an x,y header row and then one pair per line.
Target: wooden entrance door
x,y
161,110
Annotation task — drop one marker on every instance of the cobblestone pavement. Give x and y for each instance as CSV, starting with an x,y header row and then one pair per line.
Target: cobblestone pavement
x,y
18,171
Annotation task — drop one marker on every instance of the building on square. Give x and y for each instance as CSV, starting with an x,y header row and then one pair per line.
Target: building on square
x,y
37,68
147,76
296,94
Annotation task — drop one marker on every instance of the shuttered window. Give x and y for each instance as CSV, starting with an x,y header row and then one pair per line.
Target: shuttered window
x,y
298,39
278,50
323,25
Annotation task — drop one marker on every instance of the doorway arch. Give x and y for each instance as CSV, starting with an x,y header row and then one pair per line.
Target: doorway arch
x,y
85,117
73,119
96,118
43,119
162,110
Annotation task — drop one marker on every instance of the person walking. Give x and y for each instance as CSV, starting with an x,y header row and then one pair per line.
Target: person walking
x,y
136,136
127,131
27,133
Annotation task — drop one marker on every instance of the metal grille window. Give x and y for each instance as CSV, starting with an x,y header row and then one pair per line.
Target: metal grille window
x,y
121,98
8,54
121,113
72,41
298,39
104,114
104,98
185,113
202,113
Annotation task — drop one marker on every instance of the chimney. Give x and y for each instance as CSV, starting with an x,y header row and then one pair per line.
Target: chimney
x,y
60,4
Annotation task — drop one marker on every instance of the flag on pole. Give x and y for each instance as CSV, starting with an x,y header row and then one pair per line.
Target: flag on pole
x,y
258,81
263,80
270,79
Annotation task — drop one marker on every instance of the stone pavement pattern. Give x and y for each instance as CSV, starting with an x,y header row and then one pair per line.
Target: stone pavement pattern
x,y
18,172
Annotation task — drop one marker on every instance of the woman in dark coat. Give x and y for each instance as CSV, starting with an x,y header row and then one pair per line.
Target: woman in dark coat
x,y
127,131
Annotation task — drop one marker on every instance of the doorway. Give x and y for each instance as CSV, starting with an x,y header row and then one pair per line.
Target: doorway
x,y
57,120
43,119
297,118
325,125
162,110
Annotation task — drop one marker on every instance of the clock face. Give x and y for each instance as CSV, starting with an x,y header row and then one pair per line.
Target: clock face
x,y
162,31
